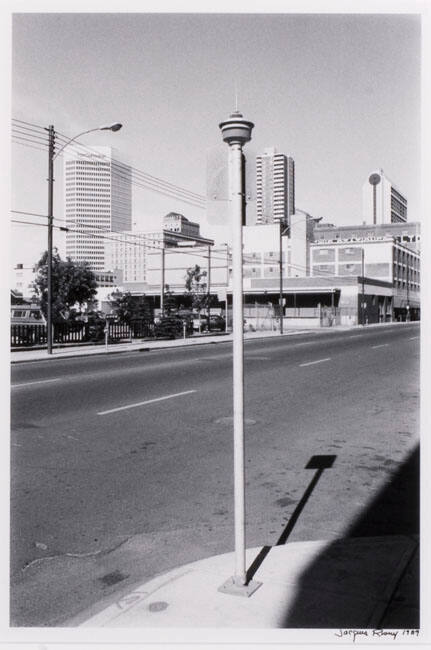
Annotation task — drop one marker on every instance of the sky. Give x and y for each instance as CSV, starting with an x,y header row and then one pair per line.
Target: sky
x,y
340,93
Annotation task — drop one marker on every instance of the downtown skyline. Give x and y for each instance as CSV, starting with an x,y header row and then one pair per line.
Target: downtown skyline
x,y
339,93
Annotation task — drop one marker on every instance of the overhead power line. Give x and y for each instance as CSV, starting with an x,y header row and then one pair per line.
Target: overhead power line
x,y
149,176
144,176
40,130
38,126
137,181
32,214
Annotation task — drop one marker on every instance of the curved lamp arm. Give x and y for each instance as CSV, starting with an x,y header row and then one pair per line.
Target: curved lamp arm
x,y
111,127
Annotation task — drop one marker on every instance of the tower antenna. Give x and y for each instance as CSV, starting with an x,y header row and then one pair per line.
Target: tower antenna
x,y
236,96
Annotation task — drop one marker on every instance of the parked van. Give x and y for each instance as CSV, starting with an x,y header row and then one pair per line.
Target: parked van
x,y
27,315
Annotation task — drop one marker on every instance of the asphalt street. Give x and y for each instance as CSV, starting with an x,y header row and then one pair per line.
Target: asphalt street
x,y
121,465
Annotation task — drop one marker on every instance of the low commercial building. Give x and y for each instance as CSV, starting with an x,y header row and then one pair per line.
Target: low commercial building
x,y
330,281
408,234
383,259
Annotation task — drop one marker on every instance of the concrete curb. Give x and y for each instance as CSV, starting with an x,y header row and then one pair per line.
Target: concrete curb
x,y
178,343
330,584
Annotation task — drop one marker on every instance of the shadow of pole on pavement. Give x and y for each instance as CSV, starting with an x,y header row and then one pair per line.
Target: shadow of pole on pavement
x,y
375,563
320,463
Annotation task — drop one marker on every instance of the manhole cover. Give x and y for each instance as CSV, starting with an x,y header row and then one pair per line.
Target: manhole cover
x,y
158,606
229,420
112,578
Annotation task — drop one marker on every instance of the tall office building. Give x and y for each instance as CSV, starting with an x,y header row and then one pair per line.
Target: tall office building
x,y
275,187
382,202
98,199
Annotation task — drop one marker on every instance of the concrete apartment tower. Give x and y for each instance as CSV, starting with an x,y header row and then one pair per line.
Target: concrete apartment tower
x,y
98,199
382,202
275,187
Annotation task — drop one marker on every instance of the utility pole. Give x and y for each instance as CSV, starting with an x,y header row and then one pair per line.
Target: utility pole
x,y
162,287
51,147
407,287
363,286
51,157
236,131
209,287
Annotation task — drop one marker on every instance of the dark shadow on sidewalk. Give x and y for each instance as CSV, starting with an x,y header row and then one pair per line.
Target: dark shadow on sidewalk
x,y
370,578
320,463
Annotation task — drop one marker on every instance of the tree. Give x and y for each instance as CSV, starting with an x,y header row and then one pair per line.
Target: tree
x,y
127,307
73,286
196,288
169,302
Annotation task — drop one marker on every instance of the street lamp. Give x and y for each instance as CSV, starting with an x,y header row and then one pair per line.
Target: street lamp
x,y
236,131
363,286
283,224
52,155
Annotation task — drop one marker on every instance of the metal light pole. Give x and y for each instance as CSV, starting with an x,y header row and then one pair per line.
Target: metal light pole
x,y
209,287
281,277
407,287
52,155
236,131
162,284
51,150
363,287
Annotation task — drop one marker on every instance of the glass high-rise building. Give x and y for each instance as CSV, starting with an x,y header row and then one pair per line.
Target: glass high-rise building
x,y
98,199
275,187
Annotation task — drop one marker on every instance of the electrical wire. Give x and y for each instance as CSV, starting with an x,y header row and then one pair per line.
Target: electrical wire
x,y
167,250
132,182
33,223
142,179
149,176
18,137
61,137
95,231
38,126
33,134
32,214
30,146
144,176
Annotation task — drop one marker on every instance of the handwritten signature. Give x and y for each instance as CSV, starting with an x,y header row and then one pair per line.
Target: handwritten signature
x,y
353,634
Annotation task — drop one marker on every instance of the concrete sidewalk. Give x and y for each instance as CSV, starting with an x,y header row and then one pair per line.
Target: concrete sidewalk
x,y
142,344
362,582
41,354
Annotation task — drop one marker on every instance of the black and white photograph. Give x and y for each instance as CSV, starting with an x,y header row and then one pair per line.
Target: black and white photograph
x,y
217,227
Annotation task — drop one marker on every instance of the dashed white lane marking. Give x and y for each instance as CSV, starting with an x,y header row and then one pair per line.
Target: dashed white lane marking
x,y
355,336
311,363
382,345
148,401
31,383
413,337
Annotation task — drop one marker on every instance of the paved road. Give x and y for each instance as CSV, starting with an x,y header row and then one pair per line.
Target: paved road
x,y
122,465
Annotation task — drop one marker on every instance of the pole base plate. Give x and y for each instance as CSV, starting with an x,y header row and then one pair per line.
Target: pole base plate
x,y
234,588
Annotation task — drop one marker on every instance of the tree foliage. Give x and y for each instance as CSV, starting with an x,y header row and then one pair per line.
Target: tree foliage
x,y
74,287
196,287
127,307
169,302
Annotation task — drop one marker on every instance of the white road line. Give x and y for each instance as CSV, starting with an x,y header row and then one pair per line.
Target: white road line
x,y
310,363
413,337
31,383
149,401
355,336
382,345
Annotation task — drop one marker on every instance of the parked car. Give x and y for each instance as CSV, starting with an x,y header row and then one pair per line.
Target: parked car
x,y
27,314
217,323
172,327
199,323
